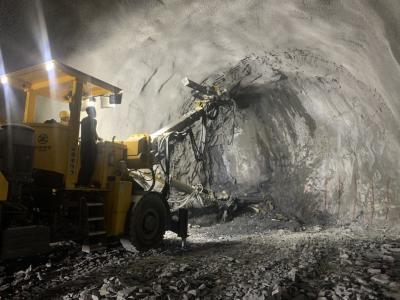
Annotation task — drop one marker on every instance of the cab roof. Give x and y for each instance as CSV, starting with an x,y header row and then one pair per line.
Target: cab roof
x,y
54,79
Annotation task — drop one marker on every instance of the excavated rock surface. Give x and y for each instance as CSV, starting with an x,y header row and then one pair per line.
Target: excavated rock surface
x,y
303,131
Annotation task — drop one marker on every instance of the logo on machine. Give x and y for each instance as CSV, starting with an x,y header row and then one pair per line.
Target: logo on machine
x,y
43,138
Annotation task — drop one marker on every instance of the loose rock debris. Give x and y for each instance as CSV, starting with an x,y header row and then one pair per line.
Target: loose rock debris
x,y
219,263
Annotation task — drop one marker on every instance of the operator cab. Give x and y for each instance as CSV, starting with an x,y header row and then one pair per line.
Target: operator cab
x,y
56,95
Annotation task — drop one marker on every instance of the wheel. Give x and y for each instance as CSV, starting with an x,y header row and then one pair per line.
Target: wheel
x,y
148,222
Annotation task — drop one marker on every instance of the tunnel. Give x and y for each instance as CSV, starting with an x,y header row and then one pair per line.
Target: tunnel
x,y
269,172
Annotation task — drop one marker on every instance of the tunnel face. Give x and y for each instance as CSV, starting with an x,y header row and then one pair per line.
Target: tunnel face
x,y
311,143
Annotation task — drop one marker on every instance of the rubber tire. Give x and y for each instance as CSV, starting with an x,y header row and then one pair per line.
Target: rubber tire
x,y
151,205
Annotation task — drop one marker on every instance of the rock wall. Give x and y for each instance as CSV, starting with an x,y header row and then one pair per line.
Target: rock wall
x,y
317,110
306,133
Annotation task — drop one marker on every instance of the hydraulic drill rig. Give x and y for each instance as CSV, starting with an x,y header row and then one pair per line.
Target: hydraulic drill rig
x,y
40,201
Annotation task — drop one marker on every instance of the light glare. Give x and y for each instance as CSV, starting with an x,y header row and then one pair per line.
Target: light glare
x,y
4,79
49,66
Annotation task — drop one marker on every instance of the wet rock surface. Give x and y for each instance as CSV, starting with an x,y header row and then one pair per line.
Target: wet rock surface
x,y
224,261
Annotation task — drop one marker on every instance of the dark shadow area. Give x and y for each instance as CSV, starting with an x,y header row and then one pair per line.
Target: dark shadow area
x,y
56,254
173,247
277,99
15,106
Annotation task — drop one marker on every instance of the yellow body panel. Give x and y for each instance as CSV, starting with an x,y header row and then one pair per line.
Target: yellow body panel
x,y
30,106
139,155
117,206
74,124
3,187
109,155
51,147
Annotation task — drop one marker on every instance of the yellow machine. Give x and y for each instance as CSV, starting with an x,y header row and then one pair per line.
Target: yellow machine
x,y
40,162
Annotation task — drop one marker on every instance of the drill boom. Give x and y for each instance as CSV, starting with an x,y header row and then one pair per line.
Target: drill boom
x,y
190,118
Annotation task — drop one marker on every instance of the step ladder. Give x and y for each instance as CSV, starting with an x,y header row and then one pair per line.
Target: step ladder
x,y
96,235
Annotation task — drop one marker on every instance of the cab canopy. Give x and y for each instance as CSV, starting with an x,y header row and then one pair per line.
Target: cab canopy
x,y
55,97
53,79
52,88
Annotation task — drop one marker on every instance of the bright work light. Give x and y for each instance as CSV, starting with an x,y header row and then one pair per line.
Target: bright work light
x,y
4,79
49,66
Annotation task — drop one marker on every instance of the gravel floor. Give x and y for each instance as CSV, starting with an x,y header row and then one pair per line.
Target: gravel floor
x,y
234,260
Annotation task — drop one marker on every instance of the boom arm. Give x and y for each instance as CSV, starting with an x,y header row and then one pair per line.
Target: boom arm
x,y
210,99
146,150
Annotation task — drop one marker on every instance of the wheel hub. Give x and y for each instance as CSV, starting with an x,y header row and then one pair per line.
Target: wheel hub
x,y
150,223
